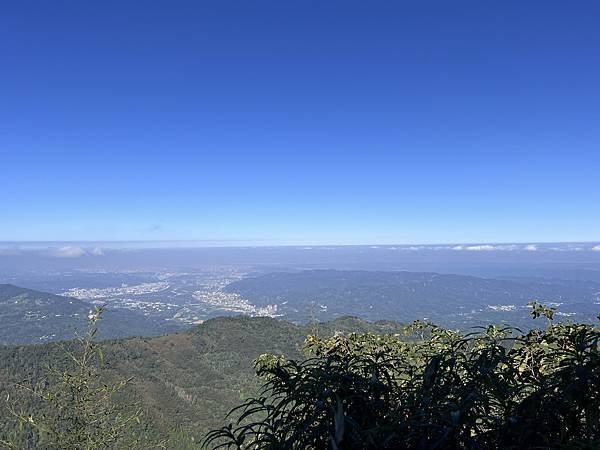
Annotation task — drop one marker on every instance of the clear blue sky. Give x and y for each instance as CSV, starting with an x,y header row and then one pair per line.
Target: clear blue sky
x,y
300,121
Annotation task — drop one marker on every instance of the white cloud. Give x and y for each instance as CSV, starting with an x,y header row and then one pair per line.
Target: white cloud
x,y
480,248
567,248
497,248
68,251
507,248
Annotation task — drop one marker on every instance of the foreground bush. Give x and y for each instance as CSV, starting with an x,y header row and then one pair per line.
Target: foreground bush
x,y
429,388
79,411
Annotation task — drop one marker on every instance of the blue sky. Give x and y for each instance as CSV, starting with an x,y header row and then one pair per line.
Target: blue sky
x,y
300,121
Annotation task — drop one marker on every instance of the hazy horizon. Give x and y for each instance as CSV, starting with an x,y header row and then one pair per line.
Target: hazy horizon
x,y
183,243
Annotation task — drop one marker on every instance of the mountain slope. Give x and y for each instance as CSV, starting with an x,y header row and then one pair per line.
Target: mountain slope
x,y
183,381
28,316
449,300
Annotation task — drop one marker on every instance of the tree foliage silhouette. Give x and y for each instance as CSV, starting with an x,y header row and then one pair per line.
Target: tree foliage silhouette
x,y
428,388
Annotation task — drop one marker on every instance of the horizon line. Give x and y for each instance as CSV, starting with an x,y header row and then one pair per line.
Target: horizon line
x,y
271,243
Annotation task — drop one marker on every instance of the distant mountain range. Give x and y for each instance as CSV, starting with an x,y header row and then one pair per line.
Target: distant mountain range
x,y
186,382
30,317
459,301
449,300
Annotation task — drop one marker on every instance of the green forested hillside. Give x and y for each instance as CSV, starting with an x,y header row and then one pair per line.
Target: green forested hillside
x,y
186,381
372,386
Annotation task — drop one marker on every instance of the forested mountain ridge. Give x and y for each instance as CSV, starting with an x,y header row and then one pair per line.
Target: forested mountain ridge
x,y
185,381
455,301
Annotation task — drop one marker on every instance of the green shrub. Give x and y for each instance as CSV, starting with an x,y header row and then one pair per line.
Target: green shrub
x,y
79,412
429,388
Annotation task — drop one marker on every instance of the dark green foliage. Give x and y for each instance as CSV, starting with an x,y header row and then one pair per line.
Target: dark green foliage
x,y
498,388
367,386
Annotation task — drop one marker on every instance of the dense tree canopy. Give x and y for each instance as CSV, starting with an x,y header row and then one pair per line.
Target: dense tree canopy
x,y
428,388
370,386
